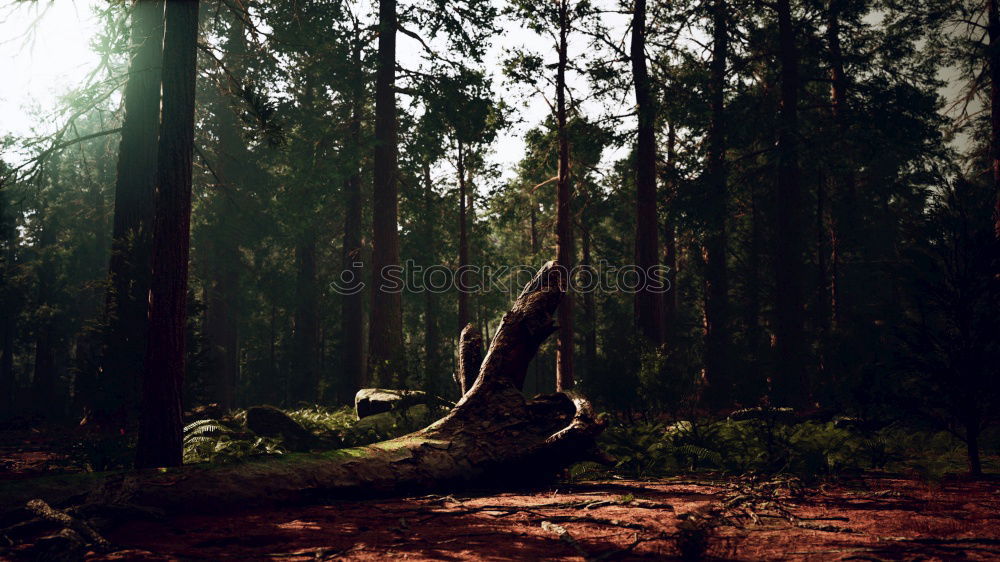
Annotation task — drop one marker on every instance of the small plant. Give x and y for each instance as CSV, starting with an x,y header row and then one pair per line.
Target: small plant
x,y
213,441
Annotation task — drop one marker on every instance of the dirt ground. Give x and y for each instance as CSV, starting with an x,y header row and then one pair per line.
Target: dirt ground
x,y
871,517
866,518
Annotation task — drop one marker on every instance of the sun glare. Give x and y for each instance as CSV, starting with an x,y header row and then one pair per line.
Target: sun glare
x,y
44,52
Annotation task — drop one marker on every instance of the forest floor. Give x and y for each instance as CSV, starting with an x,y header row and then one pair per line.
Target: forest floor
x,y
864,517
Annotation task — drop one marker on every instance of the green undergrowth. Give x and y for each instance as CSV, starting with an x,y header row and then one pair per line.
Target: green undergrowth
x,y
809,450
228,440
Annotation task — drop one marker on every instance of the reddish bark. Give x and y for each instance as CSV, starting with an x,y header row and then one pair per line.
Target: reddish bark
x,y
160,416
117,391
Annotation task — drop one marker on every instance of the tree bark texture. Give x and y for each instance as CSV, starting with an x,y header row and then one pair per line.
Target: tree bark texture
x,y
117,387
648,301
385,364
160,421
565,253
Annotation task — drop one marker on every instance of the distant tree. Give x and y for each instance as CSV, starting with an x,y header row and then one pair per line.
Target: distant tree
x,y
353,314
160,415
556,22
950,353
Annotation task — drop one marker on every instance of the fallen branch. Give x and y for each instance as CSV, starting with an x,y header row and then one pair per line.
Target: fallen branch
x,y
492,435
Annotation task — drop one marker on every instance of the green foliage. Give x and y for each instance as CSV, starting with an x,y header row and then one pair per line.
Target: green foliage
x,y
808,450
228,440
216,442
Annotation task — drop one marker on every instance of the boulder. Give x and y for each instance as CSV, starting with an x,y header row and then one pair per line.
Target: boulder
x,y
372,401
268,421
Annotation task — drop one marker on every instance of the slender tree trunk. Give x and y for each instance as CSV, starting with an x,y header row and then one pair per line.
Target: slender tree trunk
x,y
564,216
7,382
670,240
717,334
8,321
589,308
222,304
43,381
789,380
353,319
993,28
463,240
160,416
307,376
648,301
432,343
386,349
843,180
129,270
822,312
972,448
755,332
534,224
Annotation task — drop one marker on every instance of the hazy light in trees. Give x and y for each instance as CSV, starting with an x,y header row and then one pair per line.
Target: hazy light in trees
x,y
44,52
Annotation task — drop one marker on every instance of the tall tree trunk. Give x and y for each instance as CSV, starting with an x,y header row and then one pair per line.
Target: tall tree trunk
x,y
993,28
589,307
160,415
43,380
717,334
463,240
840,216
223,283
307,376
352,318
432,343
972,447
755,334
564,216
648,300
789,384
129,270
7,382
822,311
386,359
534,224
670,240
8,321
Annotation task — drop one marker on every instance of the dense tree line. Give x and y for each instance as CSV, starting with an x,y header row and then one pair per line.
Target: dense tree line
x,y
791,165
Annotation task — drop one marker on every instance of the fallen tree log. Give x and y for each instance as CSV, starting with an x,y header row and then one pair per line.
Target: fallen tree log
x,y
492,435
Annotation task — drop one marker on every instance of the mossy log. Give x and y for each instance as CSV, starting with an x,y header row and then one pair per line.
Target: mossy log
x,y
492,435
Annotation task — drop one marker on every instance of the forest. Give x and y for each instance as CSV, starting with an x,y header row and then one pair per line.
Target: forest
x,y
500,279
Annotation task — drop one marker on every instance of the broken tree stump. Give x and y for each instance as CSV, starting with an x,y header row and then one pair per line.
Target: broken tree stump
x,y
470,357
494,434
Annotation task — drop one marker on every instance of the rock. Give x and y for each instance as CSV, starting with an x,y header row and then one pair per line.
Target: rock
x,y
268,421
204,412
391,424
765,414
373,401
